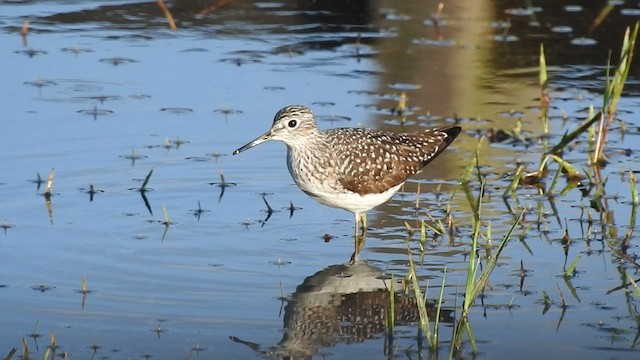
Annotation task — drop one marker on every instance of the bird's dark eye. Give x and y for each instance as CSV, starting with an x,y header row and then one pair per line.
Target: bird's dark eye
x,y
292,123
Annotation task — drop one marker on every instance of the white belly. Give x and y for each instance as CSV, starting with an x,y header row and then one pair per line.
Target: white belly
x,y
351,201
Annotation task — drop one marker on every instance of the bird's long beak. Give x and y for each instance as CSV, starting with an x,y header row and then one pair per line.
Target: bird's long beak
x,y
259,140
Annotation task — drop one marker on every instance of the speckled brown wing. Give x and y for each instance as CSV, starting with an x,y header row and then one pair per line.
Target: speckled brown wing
x,y
374,162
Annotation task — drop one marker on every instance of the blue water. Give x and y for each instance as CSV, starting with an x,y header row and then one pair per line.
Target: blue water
x,y
228,273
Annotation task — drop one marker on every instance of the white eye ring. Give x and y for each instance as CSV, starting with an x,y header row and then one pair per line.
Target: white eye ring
x,y
292,123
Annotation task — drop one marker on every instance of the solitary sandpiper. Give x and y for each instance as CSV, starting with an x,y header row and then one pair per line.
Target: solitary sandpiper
x,y
351,168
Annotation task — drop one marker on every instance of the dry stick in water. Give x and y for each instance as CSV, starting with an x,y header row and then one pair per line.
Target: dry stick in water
x,y
436,20
613,89
167,14
24,31
213,7
47,189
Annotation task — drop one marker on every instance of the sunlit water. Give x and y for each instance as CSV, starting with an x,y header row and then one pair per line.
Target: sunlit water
x,y
103,93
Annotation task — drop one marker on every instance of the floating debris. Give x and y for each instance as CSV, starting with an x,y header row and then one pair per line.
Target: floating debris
x,y
177,110
323,103
199,211
279,262
227,111
6,226
31,52
291,208
133,156
40,83
42,287
95,112
91,191
222,184
76,50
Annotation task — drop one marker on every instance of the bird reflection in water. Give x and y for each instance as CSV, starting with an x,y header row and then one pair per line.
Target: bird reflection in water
x,y
342,304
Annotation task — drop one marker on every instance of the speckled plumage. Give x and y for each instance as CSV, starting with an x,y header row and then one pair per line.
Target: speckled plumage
x,y
351,168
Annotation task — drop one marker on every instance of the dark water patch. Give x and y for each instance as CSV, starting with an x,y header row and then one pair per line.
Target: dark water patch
x,y
198,158
361,92
176,110
280,262
227,111
333,118
195,50
95,112
323,103
31,52
40,83
129,37
367,106
274,88
99,98
116,61
140,96
240,61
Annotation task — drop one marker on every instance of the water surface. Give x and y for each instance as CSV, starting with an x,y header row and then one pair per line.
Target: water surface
x,y
103,92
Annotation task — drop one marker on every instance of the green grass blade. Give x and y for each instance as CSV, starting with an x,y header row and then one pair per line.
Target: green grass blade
x,y
483,279
572,268
417,293
626,56
146,181
544,94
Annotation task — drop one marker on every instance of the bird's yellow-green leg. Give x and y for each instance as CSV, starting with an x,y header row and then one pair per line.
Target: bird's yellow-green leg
x,y
359,239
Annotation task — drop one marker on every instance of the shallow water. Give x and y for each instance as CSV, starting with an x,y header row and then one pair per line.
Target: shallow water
x,y
104,93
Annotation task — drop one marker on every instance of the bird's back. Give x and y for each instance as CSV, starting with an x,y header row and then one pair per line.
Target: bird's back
x,y
368,161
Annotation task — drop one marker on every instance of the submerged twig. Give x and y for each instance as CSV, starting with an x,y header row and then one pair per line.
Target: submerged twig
x,y
167,14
